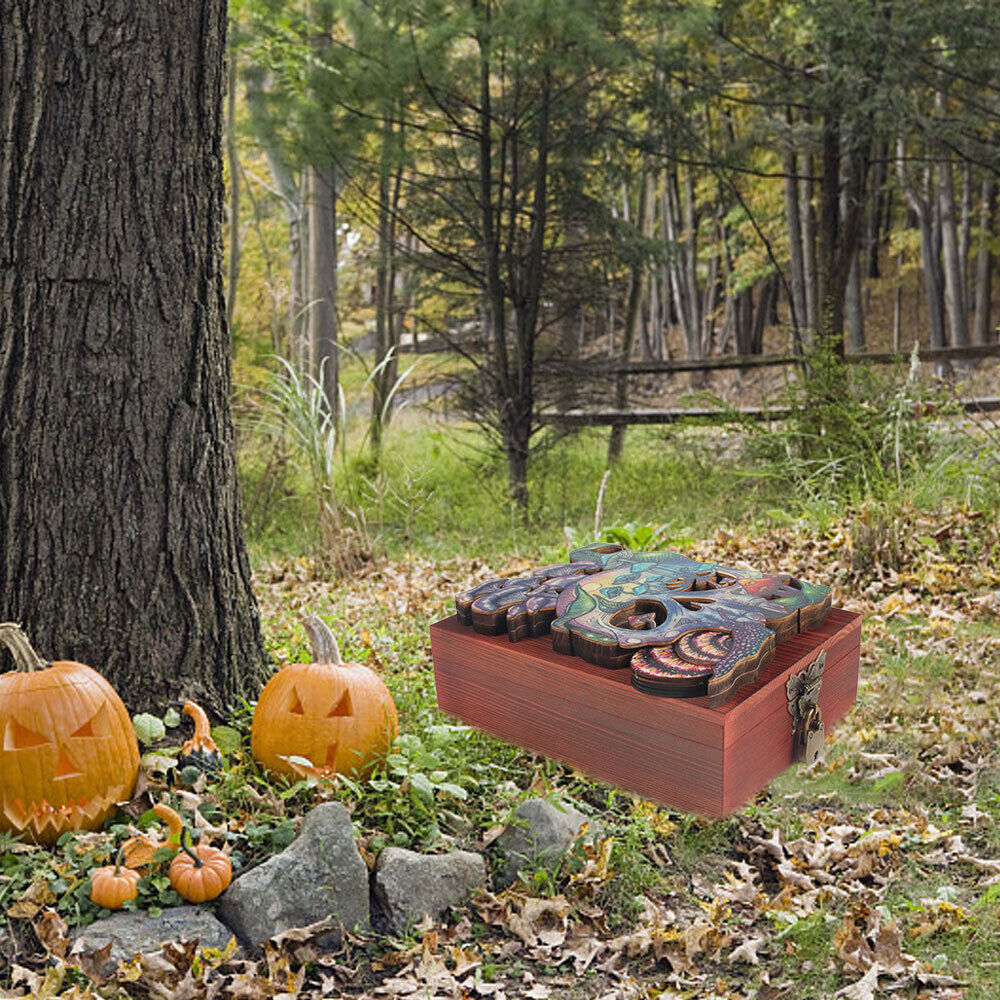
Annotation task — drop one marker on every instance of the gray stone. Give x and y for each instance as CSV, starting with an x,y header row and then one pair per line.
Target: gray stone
x,y
538,837
409,886
319,875
135,932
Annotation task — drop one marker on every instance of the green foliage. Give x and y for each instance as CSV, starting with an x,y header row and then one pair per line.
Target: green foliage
x,y
342,483
422,781
854,434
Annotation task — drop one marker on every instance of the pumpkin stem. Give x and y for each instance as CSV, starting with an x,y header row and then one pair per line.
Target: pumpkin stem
x,y
202,728
324,645
193,855
25,658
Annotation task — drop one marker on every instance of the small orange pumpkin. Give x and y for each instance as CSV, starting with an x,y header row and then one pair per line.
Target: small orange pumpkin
x,y
68,752
337,716
138,851
112,885
201,751
201,874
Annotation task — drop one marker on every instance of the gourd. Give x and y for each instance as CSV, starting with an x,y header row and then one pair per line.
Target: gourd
x,y
201,874
324,717
138,851
68,752
201,751
112,885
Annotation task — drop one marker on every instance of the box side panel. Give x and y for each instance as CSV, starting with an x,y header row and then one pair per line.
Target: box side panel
x,y
768,748
607,692
562,722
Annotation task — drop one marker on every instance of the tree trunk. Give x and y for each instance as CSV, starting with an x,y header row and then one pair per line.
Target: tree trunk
x,y
120,539
830,281
965,235
982,328
808,213
289,189
321,275
768,294
878,205
954,278
383,282
854,304
793,222
233,163
616,440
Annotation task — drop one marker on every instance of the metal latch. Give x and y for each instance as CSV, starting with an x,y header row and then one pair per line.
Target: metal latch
x,y
803,706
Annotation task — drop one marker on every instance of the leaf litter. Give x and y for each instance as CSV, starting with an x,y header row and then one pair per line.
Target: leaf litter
x,y
898,802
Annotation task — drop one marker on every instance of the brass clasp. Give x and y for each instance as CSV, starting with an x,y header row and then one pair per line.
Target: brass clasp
x,y
803,706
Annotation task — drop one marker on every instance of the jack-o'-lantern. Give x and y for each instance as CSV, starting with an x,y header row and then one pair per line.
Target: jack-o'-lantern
x,y
68,752
336,716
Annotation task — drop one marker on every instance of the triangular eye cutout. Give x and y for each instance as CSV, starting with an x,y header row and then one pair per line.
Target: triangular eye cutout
x,y
65,766
94,727
296,706
18,737
343,706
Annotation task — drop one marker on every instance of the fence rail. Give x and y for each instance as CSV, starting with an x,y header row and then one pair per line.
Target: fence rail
x,y
974,352
625,418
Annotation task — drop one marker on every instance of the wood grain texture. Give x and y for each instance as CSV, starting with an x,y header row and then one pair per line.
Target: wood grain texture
x,y
682,753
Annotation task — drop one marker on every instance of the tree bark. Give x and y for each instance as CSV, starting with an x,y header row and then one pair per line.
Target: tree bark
x,y
809,252
233,163
616,440
120,539
794,224
954,278
289,189
982,329
854,304
322,280
383,281
930,251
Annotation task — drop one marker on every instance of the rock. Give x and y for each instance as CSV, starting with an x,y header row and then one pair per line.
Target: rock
x,y
409,886
136,932
319,875
537,837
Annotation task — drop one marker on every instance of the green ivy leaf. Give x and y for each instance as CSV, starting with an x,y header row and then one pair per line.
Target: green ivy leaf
x,y
422,786
148,728
227,738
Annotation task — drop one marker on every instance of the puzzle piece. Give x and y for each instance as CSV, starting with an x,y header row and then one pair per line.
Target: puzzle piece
x,y
520,606
686,628
713,626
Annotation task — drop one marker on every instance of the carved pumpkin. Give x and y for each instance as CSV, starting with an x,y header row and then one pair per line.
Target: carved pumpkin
x,y
201,751
201,874
112,885
68,752
338,716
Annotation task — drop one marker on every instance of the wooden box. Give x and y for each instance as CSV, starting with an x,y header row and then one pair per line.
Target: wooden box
x,y
678,752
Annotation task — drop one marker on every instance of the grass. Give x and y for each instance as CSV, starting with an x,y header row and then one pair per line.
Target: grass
x,y
442,502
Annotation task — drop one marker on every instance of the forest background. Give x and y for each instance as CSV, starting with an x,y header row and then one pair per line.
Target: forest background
x,y
554,204
484,261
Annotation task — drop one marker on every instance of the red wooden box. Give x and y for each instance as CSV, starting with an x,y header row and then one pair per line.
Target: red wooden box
x,y
678,752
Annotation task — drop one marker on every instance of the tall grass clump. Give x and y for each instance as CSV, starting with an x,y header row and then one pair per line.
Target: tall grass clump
x,y
342,482
853,434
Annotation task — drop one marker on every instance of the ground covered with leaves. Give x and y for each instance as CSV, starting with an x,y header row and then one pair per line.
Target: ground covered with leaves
x,y
875,872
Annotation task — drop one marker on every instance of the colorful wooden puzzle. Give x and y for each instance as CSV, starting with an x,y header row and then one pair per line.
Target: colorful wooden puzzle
x,y
685,628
